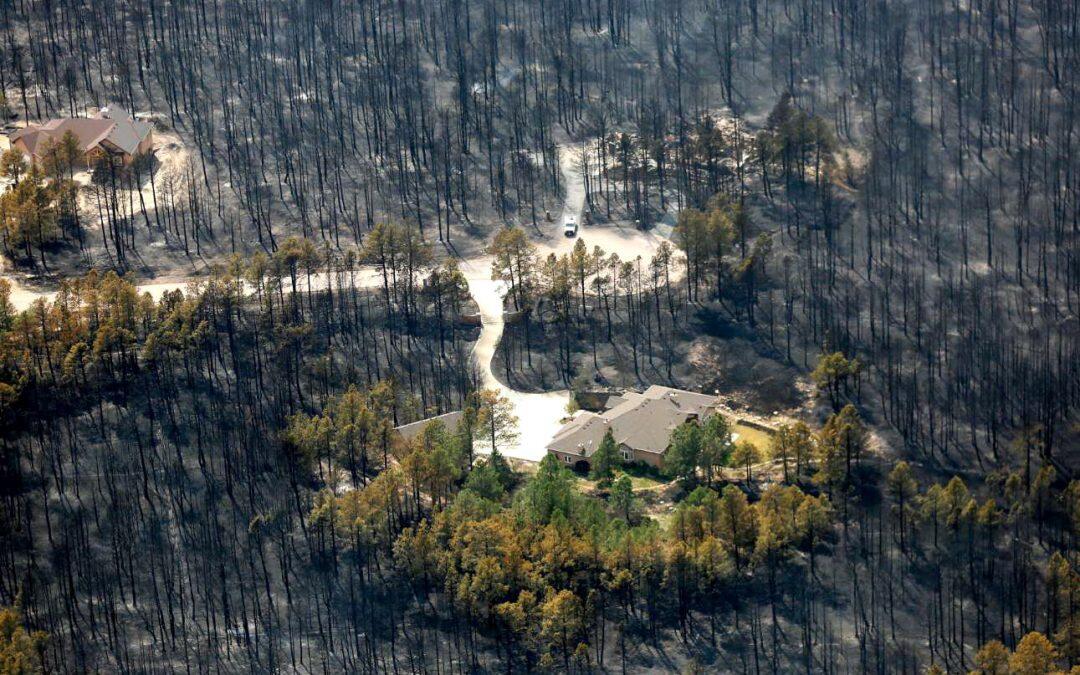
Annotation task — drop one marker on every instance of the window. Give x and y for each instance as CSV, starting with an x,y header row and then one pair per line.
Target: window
x,y
627,453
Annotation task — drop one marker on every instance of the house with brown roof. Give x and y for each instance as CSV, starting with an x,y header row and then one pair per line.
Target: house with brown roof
x,y
112,133
640,423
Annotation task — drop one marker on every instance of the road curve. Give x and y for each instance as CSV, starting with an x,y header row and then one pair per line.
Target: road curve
x,y
539,414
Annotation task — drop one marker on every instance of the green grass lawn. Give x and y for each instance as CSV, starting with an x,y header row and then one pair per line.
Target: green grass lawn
x,y
640,481
641,478
663,519
762,440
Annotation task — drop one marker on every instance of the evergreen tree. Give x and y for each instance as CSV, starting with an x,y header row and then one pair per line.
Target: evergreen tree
x,y
606,458
684,451
622,499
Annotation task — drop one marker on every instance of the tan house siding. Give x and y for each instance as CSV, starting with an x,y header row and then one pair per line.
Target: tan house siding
x,y
651,458
570,459
147,144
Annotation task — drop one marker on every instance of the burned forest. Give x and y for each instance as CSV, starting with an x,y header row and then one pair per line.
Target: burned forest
x,y
477,336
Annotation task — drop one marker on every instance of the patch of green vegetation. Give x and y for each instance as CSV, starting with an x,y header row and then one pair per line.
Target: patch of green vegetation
x,y
643,476
762,440
664,519
643,482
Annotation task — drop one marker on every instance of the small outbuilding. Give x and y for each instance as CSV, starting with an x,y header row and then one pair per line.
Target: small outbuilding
x,y
450,422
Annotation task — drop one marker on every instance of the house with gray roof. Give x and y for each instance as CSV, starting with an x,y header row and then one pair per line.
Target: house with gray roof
x,y
449,421
641,424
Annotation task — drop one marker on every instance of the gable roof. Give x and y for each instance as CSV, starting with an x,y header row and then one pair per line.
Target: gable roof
x,y
684,400
112,125
89,132
127,132
449,420
643,422
29,137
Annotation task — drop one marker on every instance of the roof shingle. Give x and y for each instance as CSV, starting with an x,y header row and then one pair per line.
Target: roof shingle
x,y
643,421
112,124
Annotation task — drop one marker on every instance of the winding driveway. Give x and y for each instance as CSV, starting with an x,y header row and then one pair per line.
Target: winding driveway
x,y
539,415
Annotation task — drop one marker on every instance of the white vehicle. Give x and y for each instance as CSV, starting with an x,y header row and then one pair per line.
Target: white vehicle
x,y
570,226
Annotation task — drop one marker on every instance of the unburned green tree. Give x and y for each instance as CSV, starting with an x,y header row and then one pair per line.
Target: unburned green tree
x,y
903,489
20,649
684,451
622,499
746,455
833,375
604,461
792,444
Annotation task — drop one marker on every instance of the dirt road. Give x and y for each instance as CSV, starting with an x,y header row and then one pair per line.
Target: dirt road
x,y
538,415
